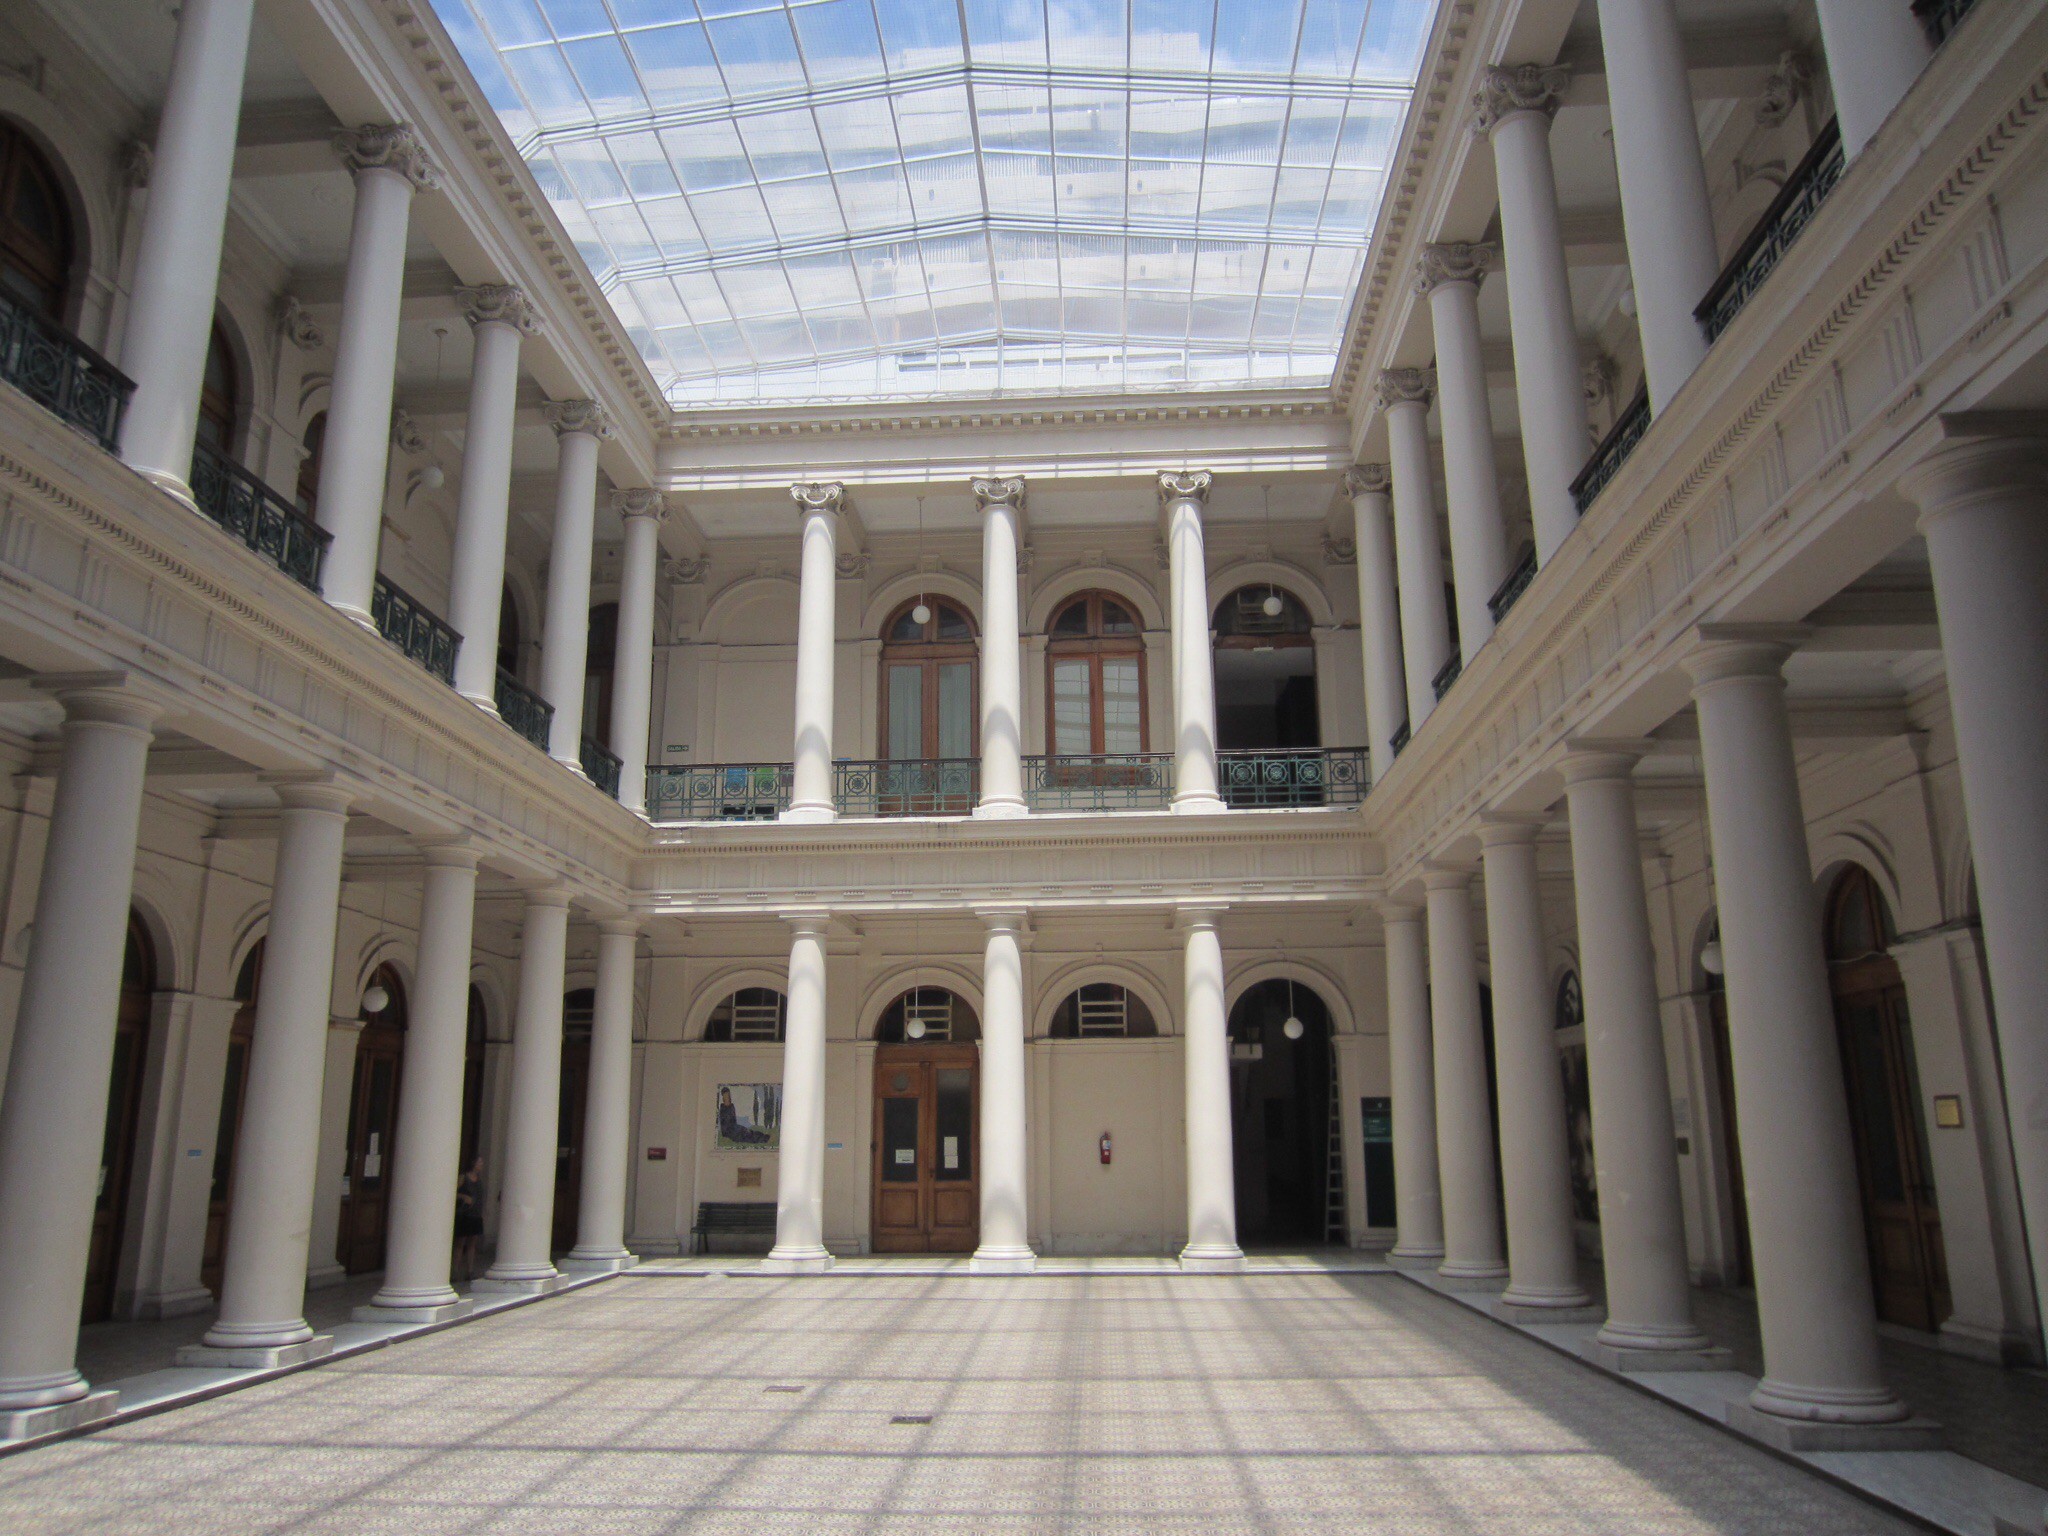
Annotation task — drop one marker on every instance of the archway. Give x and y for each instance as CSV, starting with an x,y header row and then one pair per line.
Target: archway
x,y
1095,678
124,1108
1740,1272
1281,1109
751,1015
234,1088
220,395
372,1127
475,1035
1265,671
929,711
1102,1010
600,662
37,248
927,1125
579,1008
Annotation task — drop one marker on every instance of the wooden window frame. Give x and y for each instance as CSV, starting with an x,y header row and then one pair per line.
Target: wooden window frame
x,y
1095,647
52,268
930,654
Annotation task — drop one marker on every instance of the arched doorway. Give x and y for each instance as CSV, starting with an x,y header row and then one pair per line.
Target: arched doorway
x,y
579,1008
234,1087
508,633
372,1127
600,662
315,444
927,1125
476,1033
1265,672
37,252
1908,1266
1739,1273
220,395
929,710
1281,1117
124,1108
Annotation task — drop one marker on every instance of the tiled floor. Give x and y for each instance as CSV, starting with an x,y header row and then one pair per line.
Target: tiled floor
x,y
1099,1403
109,1351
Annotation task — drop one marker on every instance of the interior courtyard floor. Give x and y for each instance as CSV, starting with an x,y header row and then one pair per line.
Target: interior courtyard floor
x,y
712,1400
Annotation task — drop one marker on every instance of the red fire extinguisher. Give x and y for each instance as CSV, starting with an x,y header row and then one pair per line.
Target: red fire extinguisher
x,y
1104,1148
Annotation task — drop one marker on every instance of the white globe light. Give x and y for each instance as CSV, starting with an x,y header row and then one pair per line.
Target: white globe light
x,y
921,614
1710,958
1271,606
433,477
1293,1029
376,999
914,1029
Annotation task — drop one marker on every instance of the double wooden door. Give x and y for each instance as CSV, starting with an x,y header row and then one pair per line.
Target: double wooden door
x,y
927,1149
117,1146
372,1127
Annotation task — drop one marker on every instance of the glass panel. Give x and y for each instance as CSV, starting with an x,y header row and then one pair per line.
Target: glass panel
x,y
955,1123
1121,711
1872,1100
1116,620
1073,619
906,712
956,709
953,624
899,1141
1072,709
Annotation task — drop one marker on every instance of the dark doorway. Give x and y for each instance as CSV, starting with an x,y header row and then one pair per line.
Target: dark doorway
x,y
124,1109
1265,672
1280,1110
1724,1079
473,1077
578,1009
234,1088
372,1128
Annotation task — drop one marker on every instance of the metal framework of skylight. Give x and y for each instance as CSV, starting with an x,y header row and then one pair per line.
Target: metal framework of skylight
x,y
803,201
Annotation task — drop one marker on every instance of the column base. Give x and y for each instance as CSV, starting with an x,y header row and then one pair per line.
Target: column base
x,y
1002,1261
597,1263
1001,810
173,486
362,616
574,765
1212,1260
180,1303
796,1261
1472,1277
1908,1434
1415,1258
1198,805
1583,1311
56,1418
1626,1359
488,705
811,815
256,1357
425,1312
518,1285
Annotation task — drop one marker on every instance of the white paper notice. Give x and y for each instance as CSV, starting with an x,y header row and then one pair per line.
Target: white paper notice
x,y
906,1154
952,1151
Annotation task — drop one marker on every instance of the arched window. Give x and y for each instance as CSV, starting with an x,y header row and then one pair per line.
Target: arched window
x,y
1103,1010
1265,671
928,1016
1095,678
315,441
750,1014
36,249
219,394
928,682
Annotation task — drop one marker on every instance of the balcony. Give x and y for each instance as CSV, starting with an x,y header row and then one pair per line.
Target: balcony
x,y
1517,583
926,786
1291,777
1447,674
1132,781
62,374
1941,17
258,516
1613,451
717,791
1399,739
415,629
599,766
1782,223
524,710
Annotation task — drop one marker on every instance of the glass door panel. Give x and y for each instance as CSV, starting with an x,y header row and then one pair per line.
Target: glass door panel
x,y
1073,708
955,1124
956,710
1122,716
906,712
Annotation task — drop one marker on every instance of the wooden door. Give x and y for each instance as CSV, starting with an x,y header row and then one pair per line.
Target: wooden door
x,y
233,1089
575,1097
1731,1144
372,1129
117,1145
927,1149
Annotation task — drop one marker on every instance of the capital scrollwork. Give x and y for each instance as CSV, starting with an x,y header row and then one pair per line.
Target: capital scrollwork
x,y
407,435
1339,551
298,327
388,147
1405,386
1514,88
1368,480
569,417
1007,491
1459,261
1185,485
639,501
499,304
1784,88
827,496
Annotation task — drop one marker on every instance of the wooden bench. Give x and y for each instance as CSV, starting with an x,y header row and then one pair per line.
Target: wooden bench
x,y
724,1218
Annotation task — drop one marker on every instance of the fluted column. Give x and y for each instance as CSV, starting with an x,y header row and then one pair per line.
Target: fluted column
x,y
1002,651
1874,53
608,1107
1464,1117
641,511
1642,1226
389,166
177,266
800,1164
817,638
1418,1190
1379,627
53,1113
1449,276
1005,1208
1194,670
581,427
1666,216
526,1209
498,317
1205,1022
1418,548
1514,108
422,1218
1813,1296
1535,1162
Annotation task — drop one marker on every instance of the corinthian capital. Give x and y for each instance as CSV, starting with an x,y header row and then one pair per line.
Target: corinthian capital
x,y
387,147
819,495
1006,492
298,327
1185,485
639,501
1367,480
1458,262
498,304
1399,386
571,416
1519,88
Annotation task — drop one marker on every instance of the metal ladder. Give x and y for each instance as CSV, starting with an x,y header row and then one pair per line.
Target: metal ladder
x,y
1334,1212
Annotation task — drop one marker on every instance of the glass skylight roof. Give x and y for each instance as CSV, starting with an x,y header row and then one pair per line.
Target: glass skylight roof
x,y
810,200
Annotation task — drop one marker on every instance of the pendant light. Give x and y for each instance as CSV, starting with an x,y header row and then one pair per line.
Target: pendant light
x,y
922,613
1293,1028
1271,608
377,996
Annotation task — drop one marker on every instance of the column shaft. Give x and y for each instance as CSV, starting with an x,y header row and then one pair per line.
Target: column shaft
x,y
1479,541
1464,1116
526,1209
1418,1191
1212,1177
1002,653
817,635
1194,671
633,670
800,1174
1418,557
1386,699
482,509
565,636
607,1117
1005,1209
1874,54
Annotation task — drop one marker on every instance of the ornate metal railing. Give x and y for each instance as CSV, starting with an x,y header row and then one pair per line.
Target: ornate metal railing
x,y
62,374
1284,776
1129,781
524,710
415,629
258,516
1508,591
1448,673
918,786
1613,451
599,766
1941,17
1399,739
713,791
1782,223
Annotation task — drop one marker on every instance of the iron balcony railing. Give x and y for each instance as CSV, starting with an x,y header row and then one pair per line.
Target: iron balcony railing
x,y
1941,17
918,786
1399,739
1291,776
415,629
62,374
258,516
1123,781
524,710
1517,583
715,791
1448,674
1613,451
599,766
1782,223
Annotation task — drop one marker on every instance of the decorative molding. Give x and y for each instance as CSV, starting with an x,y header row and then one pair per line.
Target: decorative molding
x,y
1506,90
1185,485
1458,262
689,570
1596,377
828,496
853,566
1315,405
137,163
1339,551
1784,88
1368,480
407,435
1405,386
498,304
1006,492
298,327
571,416
639,501
388,147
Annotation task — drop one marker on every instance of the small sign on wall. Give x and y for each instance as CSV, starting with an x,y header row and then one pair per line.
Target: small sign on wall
x,y
1948,1111
657,1154
748,1178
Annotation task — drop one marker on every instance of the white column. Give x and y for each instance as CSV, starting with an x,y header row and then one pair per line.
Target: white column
x,y
1418,1192
1379,615
640,510
1635,1152
263,1273
817,639
498,316
1464,1117
800,1166
1515,107
1194,671
1666,216
1005,1209
1418,548
580,427
1534,1160
1813,1295
1449,275
170,312
607,1116
1212,1168
429,1141
526,1208
1984,514
1002,655
1874,54
389,166
53,1114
